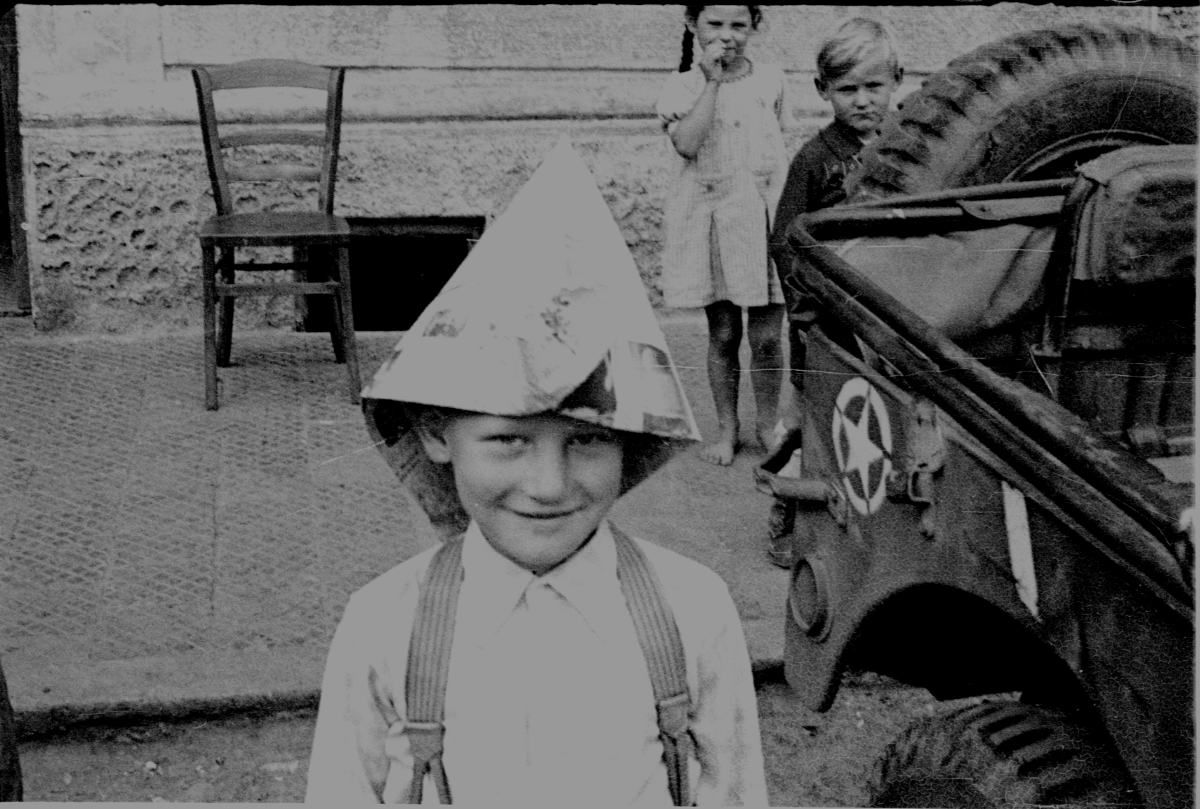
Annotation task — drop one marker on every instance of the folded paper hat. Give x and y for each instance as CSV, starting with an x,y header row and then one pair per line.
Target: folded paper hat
x,y
546,314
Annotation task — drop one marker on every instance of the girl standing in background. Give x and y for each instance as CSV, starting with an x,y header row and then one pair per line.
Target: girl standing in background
x,y
722,112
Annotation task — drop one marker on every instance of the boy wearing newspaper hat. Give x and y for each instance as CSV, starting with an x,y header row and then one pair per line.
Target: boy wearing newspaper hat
x,y
537,655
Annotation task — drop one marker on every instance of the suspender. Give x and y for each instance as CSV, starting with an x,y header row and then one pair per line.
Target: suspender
x,y
661,646
428,667
433,635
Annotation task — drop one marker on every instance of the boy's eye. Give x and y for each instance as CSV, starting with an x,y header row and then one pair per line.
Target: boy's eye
x,y
506,439
597,439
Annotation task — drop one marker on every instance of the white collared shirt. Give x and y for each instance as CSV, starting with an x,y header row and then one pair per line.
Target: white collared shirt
x,y
549,698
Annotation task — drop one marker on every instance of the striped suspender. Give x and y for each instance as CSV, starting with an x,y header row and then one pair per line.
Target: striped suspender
x,y
433,635
663,650
428,667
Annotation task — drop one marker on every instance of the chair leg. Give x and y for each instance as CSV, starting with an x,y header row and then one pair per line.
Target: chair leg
x,y
334,305
302,262
336,328
226,342
344,315
208,284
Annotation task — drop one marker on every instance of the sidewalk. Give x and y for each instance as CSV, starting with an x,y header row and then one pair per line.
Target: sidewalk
x,y
158,559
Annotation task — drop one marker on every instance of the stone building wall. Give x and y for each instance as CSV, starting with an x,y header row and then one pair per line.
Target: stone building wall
x,y
448,109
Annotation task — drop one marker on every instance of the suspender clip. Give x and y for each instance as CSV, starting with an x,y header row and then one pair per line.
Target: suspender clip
x,y
673,718
425,743
424,739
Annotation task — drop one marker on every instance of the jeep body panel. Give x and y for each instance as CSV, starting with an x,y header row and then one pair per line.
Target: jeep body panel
x,y
977,537
985,588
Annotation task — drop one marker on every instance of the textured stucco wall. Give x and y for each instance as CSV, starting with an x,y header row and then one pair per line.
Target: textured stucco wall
x,y
448,111
118,208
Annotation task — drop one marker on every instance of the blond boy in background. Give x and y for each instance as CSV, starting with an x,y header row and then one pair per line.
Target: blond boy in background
x,y
858,70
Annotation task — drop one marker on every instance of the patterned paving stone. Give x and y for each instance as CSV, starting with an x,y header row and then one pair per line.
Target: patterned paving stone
x,y
136,524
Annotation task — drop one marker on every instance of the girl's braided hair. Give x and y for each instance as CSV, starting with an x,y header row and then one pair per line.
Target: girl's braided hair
x,y
693,13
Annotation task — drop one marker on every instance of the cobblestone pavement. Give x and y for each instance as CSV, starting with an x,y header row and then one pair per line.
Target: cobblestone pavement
x,y
145,541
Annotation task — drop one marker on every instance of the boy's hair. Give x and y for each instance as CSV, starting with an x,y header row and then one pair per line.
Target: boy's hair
x,y
850,44
692,13
431,417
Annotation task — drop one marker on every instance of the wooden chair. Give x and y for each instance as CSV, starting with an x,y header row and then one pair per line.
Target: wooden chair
x,y
318,239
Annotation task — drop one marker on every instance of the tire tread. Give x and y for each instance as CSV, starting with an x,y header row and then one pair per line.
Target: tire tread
x,y
1013,753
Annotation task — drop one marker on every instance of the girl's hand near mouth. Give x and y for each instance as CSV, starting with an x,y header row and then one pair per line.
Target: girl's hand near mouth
x,y
712,60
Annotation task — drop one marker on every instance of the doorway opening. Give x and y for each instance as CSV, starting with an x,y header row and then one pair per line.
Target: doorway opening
x,y
398,265
15,298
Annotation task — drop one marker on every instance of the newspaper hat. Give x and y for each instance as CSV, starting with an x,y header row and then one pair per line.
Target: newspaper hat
x,y
546,314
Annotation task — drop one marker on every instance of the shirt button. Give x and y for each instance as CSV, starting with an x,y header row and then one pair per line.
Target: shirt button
x,y
709,188
737,123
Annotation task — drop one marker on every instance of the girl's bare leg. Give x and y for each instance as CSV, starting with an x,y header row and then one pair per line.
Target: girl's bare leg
x,y
765,328
724,340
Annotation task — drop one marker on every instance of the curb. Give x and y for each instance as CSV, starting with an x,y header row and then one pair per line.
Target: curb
x,y
39,724
48,723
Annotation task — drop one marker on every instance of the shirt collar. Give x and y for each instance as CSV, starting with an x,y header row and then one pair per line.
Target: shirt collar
x,y
587,581
842,140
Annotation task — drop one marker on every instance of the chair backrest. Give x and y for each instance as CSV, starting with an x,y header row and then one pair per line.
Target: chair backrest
x,y
270,73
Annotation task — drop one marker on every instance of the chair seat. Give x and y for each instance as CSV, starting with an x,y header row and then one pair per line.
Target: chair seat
x,y
272,228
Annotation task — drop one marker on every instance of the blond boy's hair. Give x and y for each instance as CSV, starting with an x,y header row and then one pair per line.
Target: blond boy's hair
x,y
852,42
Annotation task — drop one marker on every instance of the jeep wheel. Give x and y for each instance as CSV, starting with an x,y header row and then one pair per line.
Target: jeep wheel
x,y
1033,106
1000,754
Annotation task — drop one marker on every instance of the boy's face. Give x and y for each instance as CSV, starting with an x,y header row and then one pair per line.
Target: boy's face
x,y
537,485
860,98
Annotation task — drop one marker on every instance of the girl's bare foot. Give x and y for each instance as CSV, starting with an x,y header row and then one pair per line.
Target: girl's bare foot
x,y
720,452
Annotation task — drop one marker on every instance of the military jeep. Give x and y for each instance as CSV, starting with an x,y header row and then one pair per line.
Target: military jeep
x,y
994,490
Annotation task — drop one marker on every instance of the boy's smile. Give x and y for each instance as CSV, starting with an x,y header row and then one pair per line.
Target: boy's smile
x,y
537,485
861,97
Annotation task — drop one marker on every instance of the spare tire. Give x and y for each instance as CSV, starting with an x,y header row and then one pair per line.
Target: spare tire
x,y
1033,106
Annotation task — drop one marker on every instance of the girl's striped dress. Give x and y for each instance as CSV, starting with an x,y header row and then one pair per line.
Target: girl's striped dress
x,y
718,211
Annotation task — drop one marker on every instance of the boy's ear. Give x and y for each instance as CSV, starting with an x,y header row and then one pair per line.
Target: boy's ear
x,y
432,432
820,85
